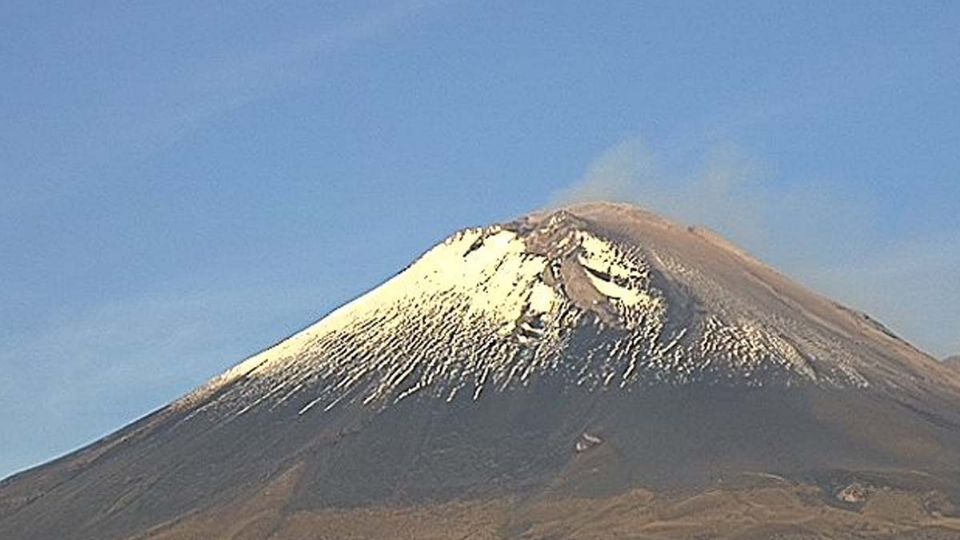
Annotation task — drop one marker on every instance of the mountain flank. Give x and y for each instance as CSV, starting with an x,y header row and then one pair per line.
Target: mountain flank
x,y
590,372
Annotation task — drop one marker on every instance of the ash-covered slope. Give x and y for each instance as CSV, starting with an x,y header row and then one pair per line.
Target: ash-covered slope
x,y
585,352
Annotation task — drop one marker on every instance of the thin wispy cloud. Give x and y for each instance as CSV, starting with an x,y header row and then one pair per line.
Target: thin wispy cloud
x,y
90,370
824,237
141,118
96,367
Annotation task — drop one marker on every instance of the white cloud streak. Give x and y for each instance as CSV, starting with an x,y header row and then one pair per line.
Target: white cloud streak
x,y
140,120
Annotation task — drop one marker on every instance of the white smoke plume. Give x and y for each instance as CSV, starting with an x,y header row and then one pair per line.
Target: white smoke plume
x,y
816,232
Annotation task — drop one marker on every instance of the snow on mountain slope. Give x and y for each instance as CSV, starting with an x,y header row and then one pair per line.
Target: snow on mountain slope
x,y
562,294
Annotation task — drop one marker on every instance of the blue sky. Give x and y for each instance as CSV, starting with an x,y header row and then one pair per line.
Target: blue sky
x,y
183,185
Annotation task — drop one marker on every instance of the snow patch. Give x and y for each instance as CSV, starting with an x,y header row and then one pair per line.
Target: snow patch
x,y
543,298
611,290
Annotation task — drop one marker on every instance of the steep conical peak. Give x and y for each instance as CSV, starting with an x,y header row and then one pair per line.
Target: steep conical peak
x,y
592,358
599,296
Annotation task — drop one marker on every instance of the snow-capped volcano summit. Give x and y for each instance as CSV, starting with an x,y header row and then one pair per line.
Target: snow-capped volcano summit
x,y
594,350
602,296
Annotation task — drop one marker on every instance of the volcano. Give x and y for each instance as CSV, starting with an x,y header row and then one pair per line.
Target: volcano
x,y
590,372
